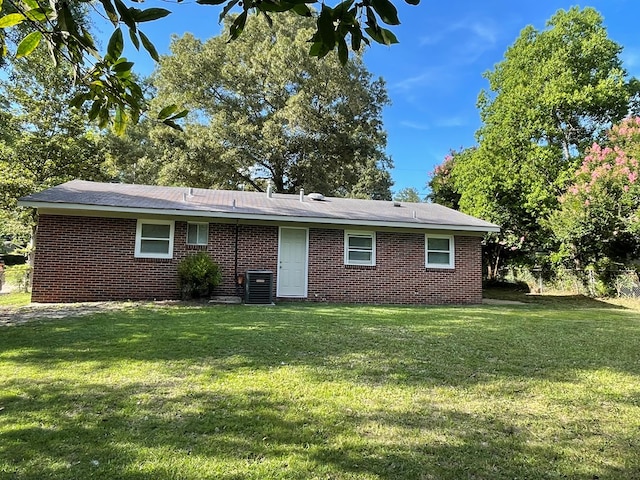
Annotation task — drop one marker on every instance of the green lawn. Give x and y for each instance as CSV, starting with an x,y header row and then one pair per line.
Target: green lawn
x,y
14,299
549,390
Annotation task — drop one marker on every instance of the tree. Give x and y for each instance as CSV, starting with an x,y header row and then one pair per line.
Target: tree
x,y
408,195
374,182
111,87
441,187
555,93
194,158
44,143
599,218
133,157
447,187
262,110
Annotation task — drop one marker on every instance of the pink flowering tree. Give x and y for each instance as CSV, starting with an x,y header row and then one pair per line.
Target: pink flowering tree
x,y
599,218
441,187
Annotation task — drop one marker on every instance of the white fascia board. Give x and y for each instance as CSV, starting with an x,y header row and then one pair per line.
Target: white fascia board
x,y
252,216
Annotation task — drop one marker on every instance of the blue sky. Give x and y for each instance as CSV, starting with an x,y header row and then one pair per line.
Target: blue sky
x,y
434,74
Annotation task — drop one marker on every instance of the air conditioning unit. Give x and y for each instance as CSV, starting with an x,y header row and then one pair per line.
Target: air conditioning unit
x,y
258,287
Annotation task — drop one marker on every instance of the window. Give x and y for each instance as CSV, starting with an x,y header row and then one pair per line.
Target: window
x,y
197,233
439,251
154,239
359,248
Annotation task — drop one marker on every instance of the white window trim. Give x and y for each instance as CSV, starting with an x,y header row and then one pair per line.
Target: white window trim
x,y
451,252
139,238
359,233
206,226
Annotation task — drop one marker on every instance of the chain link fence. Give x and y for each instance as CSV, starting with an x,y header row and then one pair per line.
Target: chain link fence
x,y
620,282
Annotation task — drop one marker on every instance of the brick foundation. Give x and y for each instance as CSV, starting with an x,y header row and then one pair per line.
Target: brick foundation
x,y
92,259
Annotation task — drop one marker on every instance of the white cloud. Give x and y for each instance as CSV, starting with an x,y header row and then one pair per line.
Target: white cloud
x,y
455,121
415,125
487,32
444,122
448,56
431,39
472,35
428,77
455,47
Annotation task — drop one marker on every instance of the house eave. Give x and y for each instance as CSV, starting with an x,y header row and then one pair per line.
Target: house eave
x,y
70,208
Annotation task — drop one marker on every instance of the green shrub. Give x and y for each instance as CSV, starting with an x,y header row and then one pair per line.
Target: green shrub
x,y
198,275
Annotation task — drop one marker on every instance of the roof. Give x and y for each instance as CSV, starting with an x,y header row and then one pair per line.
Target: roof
x,y
80,195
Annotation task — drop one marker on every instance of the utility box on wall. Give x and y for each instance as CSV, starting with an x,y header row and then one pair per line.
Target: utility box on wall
x,y
259,287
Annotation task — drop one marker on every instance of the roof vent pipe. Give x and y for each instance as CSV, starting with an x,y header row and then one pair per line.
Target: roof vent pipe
x,y
184,196
234,204
414,214
269,191
302,194
191,191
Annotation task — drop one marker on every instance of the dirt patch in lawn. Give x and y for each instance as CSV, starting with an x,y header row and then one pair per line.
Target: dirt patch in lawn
x,y
496,301
51,311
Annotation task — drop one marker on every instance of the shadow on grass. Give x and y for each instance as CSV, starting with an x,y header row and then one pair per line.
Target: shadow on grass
x,y
166,428
374,345
548,301
107,433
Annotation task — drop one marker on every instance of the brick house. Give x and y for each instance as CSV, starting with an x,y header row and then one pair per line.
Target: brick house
x,y
103,241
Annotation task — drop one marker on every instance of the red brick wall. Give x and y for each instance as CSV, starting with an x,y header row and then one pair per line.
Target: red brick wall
x,y
257,250
90,259
399,275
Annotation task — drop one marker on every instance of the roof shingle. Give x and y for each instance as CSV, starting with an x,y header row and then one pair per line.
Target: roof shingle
x,y
84,195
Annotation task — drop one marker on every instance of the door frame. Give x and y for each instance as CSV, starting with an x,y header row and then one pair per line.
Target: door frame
x,y
306,262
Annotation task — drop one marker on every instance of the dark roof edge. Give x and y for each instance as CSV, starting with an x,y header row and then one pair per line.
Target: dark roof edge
x,y
247,216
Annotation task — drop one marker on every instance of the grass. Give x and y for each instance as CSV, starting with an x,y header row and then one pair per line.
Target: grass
x,y
538,391
14,299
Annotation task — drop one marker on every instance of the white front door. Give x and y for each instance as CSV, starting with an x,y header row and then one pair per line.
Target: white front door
x,y
292,262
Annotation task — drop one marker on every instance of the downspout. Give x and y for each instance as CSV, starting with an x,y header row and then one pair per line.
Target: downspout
x,y
236,255
239,277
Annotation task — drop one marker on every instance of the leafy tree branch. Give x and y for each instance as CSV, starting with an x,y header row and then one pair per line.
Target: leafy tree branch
x,y
111,92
